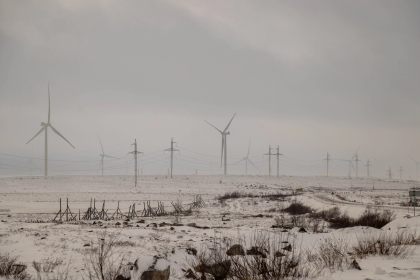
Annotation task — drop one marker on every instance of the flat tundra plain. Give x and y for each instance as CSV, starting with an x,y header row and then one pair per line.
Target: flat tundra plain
x,y
26,199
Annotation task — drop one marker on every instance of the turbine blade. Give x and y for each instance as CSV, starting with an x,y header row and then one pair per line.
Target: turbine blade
x,y
254,165
109,156
101,145
213,126
42,129
249,146
49,102
413,159
229,123
355,153
240,160
223,145
55,130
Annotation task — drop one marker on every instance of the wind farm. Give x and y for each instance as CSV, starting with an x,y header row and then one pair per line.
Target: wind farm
x,y
216,140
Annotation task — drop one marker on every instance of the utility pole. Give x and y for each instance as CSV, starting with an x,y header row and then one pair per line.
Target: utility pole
x,y
389,173
357,164
278,159
172,154
269,161
328,162
401,170
135,152
368,164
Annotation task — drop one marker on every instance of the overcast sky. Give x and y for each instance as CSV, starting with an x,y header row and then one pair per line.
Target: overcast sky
x,y
310,76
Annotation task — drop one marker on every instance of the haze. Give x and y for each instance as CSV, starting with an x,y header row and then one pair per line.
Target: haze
x,y
311,77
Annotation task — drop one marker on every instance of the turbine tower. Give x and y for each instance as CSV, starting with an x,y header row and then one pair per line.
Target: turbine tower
x,y
351,162
45,127
246,159
102,159
224,146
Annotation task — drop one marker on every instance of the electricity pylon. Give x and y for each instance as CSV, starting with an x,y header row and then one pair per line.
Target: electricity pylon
x,y
172,153
269,160
368,164
328,162
278,159
135,152
357,165
389,173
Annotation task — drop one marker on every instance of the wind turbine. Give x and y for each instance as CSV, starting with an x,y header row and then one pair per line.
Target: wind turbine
x,y
246,159
417,165
224,147
45,127
351,161
102,159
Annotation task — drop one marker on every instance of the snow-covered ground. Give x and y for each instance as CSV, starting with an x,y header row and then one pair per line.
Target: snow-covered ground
x,y
25,199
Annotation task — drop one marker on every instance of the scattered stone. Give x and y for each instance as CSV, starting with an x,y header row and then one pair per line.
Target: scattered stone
x,y
218,270
43,237
172,228
94,223
192,224
140,221
190,274
236,250
152,225
137,226
288,248
117,223
354,265
86,245
127,220
162,224
379,271
284,230
279,255
191,251
302,230
256,251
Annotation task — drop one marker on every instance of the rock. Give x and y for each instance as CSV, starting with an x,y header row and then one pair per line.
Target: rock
x,y
191,251
379,271
192,224
150,268
140,221
288,248
190,274
256,251
172,228
279,255
117,223
94,223
354,265
218,271
156,274
43,237
162,224
302,230
236,250
86,245
120,277
152,225
127,220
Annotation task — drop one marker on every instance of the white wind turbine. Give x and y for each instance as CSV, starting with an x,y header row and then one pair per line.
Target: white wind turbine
x,y
45,127
102,159
246,159
224,146
351,162
417,165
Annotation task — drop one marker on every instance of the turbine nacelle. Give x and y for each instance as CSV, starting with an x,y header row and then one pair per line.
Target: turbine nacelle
x,y
45,124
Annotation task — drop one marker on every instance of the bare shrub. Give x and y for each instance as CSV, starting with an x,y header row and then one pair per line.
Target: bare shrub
x,y
391,244
265,262
298,208
104,261
52,269
10,268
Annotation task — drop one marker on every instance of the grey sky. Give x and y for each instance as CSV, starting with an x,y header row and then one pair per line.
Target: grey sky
x,y
310,76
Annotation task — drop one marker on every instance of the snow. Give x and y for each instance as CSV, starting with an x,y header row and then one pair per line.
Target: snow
x,y
37,198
